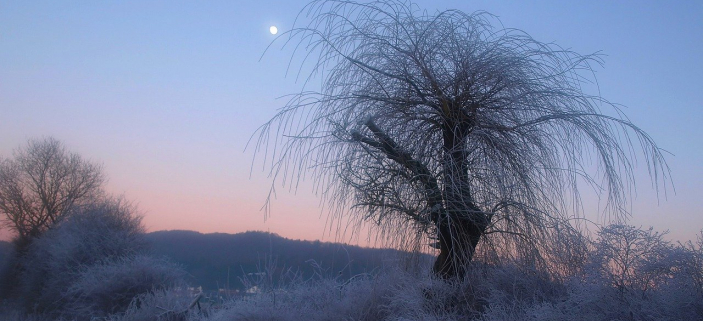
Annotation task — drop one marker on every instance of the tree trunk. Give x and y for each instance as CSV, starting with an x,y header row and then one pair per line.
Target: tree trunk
x,y
462,224
458,238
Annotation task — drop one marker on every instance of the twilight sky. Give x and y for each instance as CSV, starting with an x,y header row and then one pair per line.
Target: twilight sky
x,y
166,94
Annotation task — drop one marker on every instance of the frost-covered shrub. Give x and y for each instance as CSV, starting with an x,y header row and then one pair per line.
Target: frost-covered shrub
x,y
595,302
514,285
395,294
166,304
91,264
392,294
91,234
634,275
631,259
682,292
110,286
327,299
689,264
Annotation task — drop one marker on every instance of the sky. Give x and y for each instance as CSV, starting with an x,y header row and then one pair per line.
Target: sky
x,y
166,95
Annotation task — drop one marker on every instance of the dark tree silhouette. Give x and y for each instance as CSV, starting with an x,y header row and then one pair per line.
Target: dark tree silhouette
x,y
440,125
40,184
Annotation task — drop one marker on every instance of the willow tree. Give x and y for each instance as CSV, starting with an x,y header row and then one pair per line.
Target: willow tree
x,y
440,125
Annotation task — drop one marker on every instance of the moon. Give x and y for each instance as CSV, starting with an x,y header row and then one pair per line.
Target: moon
x,y
273,30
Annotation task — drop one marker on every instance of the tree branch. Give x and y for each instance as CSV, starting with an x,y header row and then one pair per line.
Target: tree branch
x,y
420,173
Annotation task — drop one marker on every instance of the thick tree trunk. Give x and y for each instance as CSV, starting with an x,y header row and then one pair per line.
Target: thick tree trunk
x,y
458,238
462,224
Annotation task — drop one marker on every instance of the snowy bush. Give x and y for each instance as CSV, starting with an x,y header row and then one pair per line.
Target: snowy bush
x,y
166,304
90,264
631,259
110,286
395,294
634,274
91,234
364,297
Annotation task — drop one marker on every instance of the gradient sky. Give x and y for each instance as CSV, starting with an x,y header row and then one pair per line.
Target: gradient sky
x,y
166,94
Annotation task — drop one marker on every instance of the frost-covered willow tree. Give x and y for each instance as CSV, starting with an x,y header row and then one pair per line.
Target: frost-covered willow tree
x,y
440,125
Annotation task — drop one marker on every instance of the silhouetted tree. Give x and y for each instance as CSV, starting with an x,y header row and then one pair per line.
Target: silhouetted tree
x,y
440,125
40,184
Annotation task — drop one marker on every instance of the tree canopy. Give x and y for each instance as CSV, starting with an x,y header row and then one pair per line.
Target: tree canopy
x,y
442,125
40,185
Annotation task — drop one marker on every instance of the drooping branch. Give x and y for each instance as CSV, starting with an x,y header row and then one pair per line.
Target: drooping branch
x,y
420,173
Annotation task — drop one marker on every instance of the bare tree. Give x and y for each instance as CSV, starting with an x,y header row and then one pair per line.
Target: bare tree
x,y
440,125
41,183
631,258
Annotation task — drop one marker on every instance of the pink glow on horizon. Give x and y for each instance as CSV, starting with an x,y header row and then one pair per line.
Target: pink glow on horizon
x,y
294,216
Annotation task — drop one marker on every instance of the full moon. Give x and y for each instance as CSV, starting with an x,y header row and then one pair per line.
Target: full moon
x,y
273,30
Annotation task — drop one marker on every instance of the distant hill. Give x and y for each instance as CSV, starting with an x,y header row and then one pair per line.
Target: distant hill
x,y
210,258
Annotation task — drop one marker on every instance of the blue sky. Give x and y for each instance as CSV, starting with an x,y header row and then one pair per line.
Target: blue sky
x,y
166,95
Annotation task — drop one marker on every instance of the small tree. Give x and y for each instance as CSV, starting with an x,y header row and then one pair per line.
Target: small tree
x,y
40,184
632,259
441,125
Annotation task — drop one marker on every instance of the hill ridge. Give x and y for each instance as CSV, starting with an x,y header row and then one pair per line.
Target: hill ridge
x,y
214,258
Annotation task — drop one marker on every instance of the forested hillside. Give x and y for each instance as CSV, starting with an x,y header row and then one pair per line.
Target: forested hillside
x,y
213,259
